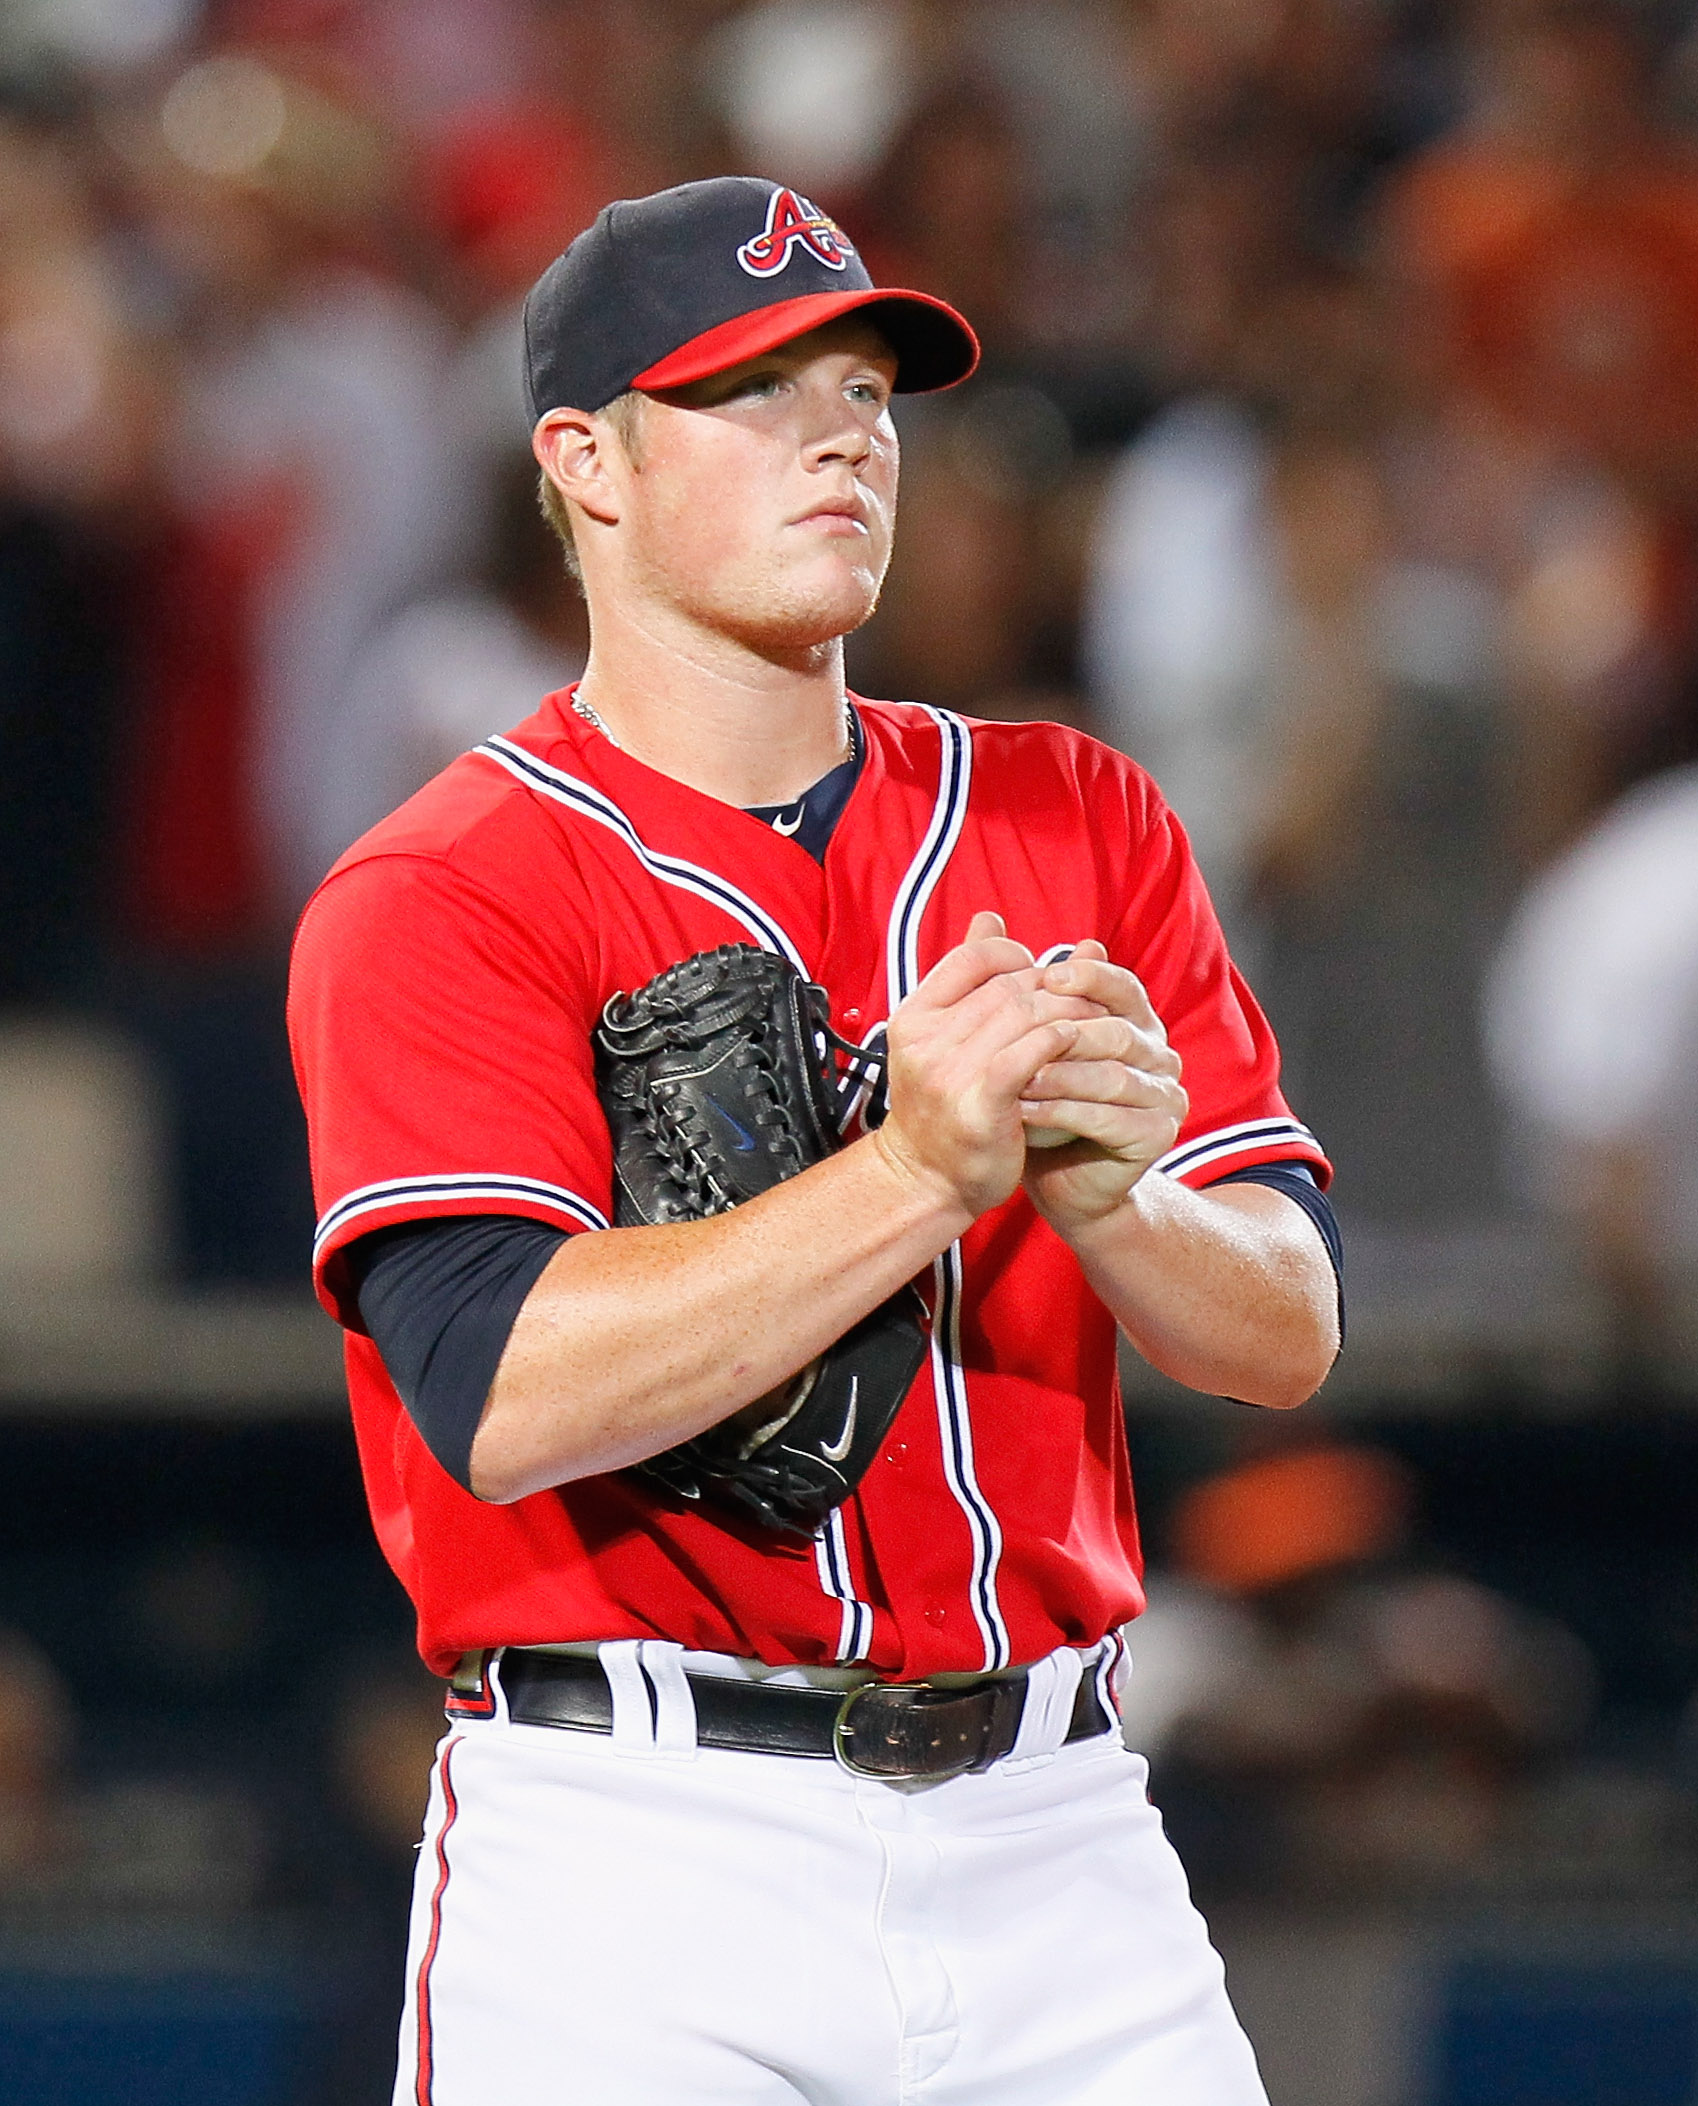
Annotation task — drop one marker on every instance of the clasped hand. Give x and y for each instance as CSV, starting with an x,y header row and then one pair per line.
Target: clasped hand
x,y
992,1048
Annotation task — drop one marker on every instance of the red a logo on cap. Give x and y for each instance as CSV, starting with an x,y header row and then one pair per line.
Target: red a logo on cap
x,y
791,219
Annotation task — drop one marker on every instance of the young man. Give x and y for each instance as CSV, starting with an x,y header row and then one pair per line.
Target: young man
x,y
645,1879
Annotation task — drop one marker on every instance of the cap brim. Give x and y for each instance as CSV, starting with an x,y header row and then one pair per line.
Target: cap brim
x,y
934,345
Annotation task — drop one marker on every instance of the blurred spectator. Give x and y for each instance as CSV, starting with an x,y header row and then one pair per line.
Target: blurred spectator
x,y
979,609
1592,1027
1234,615
1073,94
600,103
1552,242
976,610
75,388
313,413
301,484
35,1744
127,1846
446,672
1548,254
946,213
424,66
1351,1715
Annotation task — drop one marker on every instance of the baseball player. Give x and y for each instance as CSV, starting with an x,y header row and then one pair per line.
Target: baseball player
x,y
782,1764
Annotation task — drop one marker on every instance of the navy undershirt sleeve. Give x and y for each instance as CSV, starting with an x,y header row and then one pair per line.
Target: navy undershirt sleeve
x,y
439,1298
1297,1182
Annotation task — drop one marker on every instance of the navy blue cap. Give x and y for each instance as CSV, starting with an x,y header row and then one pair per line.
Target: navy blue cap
x,y
667,289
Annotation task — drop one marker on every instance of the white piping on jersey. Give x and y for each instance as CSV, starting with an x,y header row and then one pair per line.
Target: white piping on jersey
x,y
831,1556
471,1184
594,804
949,1379
831,1545
955,1423
854,1101
1204,1150
955,768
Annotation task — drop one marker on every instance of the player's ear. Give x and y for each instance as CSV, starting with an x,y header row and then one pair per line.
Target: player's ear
x,y
581,456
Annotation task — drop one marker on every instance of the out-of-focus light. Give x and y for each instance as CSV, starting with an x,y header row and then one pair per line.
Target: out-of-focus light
x,y
224,116
814,89
116,33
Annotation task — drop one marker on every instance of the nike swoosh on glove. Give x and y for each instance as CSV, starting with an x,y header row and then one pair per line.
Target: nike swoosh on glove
x,y
719,1079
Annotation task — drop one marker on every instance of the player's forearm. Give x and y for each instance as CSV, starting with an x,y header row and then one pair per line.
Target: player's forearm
x,y
634,1339
1230,1292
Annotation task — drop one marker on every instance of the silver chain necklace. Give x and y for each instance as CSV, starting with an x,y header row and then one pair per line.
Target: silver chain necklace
x,y
591,718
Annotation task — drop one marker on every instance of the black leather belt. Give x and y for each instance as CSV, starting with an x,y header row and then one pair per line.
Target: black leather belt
x,y
881,1729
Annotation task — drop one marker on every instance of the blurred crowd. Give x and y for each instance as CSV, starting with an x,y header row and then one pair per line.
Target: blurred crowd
x,y
1335,453
1329,1707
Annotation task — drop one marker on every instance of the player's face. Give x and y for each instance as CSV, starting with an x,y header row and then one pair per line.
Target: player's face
x,y
764,498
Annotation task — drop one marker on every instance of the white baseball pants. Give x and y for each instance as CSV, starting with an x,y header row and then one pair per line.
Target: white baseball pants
x,y
632,1921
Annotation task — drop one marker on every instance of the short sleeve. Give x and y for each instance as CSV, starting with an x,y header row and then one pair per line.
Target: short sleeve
x,y
441,1039
1170,938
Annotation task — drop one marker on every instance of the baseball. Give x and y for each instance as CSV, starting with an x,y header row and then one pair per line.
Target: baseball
x,y
1048,1137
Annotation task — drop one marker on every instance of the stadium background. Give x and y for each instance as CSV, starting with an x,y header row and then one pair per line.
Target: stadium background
x,y
1335,453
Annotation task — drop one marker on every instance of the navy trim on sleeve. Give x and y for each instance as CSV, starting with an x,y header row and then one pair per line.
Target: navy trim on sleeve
x,y
440,1298
1297,1182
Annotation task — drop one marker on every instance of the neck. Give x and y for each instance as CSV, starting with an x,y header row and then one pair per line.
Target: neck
x,y
745,726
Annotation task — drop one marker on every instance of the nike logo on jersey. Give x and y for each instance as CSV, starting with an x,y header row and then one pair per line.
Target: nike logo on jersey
x,y
836,1450
779,825
745,1140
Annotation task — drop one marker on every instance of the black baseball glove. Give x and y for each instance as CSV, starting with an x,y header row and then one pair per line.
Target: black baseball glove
x,y
720,1079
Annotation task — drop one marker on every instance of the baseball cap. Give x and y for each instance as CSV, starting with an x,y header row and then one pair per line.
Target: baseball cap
x,y
667,289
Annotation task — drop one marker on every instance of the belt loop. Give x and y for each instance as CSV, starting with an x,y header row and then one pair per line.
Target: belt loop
x,y
492,1681
475,1689
633,1707
1114,1671
674,1701
654,1712
1052,1684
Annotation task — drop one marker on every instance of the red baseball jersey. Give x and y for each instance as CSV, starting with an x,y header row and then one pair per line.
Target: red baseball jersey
x,y
448,975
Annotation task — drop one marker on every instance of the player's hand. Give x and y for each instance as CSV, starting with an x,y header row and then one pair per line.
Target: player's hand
x,y
1100,1114
965,1048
